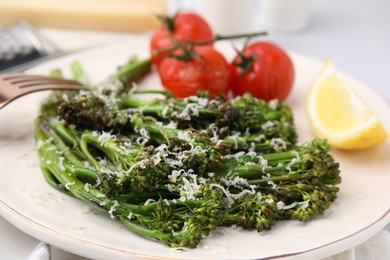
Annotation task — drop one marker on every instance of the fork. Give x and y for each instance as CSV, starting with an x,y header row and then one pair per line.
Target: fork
x,y
13,86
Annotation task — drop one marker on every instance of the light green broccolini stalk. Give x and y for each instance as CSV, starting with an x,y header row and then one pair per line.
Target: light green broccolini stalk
x,y
175,169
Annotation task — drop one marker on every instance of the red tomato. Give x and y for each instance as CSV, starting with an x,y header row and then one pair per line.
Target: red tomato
x,y
185,26
208,71
270,74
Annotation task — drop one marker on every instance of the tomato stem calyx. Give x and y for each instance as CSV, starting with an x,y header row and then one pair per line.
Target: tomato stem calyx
x,y
187,52
168,22
245,63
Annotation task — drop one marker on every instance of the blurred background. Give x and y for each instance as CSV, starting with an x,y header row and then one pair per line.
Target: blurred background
x,y
355,34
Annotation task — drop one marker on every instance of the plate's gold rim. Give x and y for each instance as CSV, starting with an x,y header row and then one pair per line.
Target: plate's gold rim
x,y
383,216
60,235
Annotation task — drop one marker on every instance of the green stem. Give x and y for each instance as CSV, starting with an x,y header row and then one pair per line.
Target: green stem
x,y
217,37
128,102
134,70
56,73
79,73
59,143
84,173
78,188
136,196
52,181
163,92
164,237
288,177
64,132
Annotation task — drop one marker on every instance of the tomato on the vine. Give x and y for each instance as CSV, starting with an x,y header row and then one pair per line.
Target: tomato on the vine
x,y
206,70
182,27
263,69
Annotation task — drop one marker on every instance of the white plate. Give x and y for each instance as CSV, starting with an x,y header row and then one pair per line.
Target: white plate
x,y
29,203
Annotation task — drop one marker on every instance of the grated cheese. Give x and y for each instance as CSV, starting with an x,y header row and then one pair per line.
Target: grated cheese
x,y
304,204
165,111
171,124
230,200
105,136
144,138
288,167
139,163
260,137
67,185
235,138
271,183
61,163
51,148
185,135
276,143
184,115
251,154
87,186
273,104
259,196
214,130
267,125
242,193
292,205
112,209
238,156
65,97
148,201
296,155
175,174
263,162
189,189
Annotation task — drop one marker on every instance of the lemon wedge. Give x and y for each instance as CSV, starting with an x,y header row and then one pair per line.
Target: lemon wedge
x,y
338,114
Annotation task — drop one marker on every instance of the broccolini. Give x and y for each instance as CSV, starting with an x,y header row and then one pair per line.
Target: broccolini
x,y
175,169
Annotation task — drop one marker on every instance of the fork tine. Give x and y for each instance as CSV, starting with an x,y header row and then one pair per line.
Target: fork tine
x,y
40,79
23,81
13,86
38,87
25,84
24,91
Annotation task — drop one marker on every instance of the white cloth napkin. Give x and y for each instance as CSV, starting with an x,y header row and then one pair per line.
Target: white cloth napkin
x,y
16,245
376,248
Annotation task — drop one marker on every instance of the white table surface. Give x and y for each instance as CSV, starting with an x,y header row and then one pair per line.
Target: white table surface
x,y
355,34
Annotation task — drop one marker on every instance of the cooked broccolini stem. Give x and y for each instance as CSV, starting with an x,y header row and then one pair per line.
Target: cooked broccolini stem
x,y
175,169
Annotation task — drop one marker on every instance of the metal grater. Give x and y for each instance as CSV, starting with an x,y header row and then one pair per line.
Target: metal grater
x,y
20,46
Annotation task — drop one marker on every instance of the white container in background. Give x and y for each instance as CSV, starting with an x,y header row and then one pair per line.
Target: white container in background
x,y
229,16
285,15
175,6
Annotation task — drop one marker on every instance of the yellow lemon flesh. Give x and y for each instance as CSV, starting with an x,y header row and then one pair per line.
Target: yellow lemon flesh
x,y
336,113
